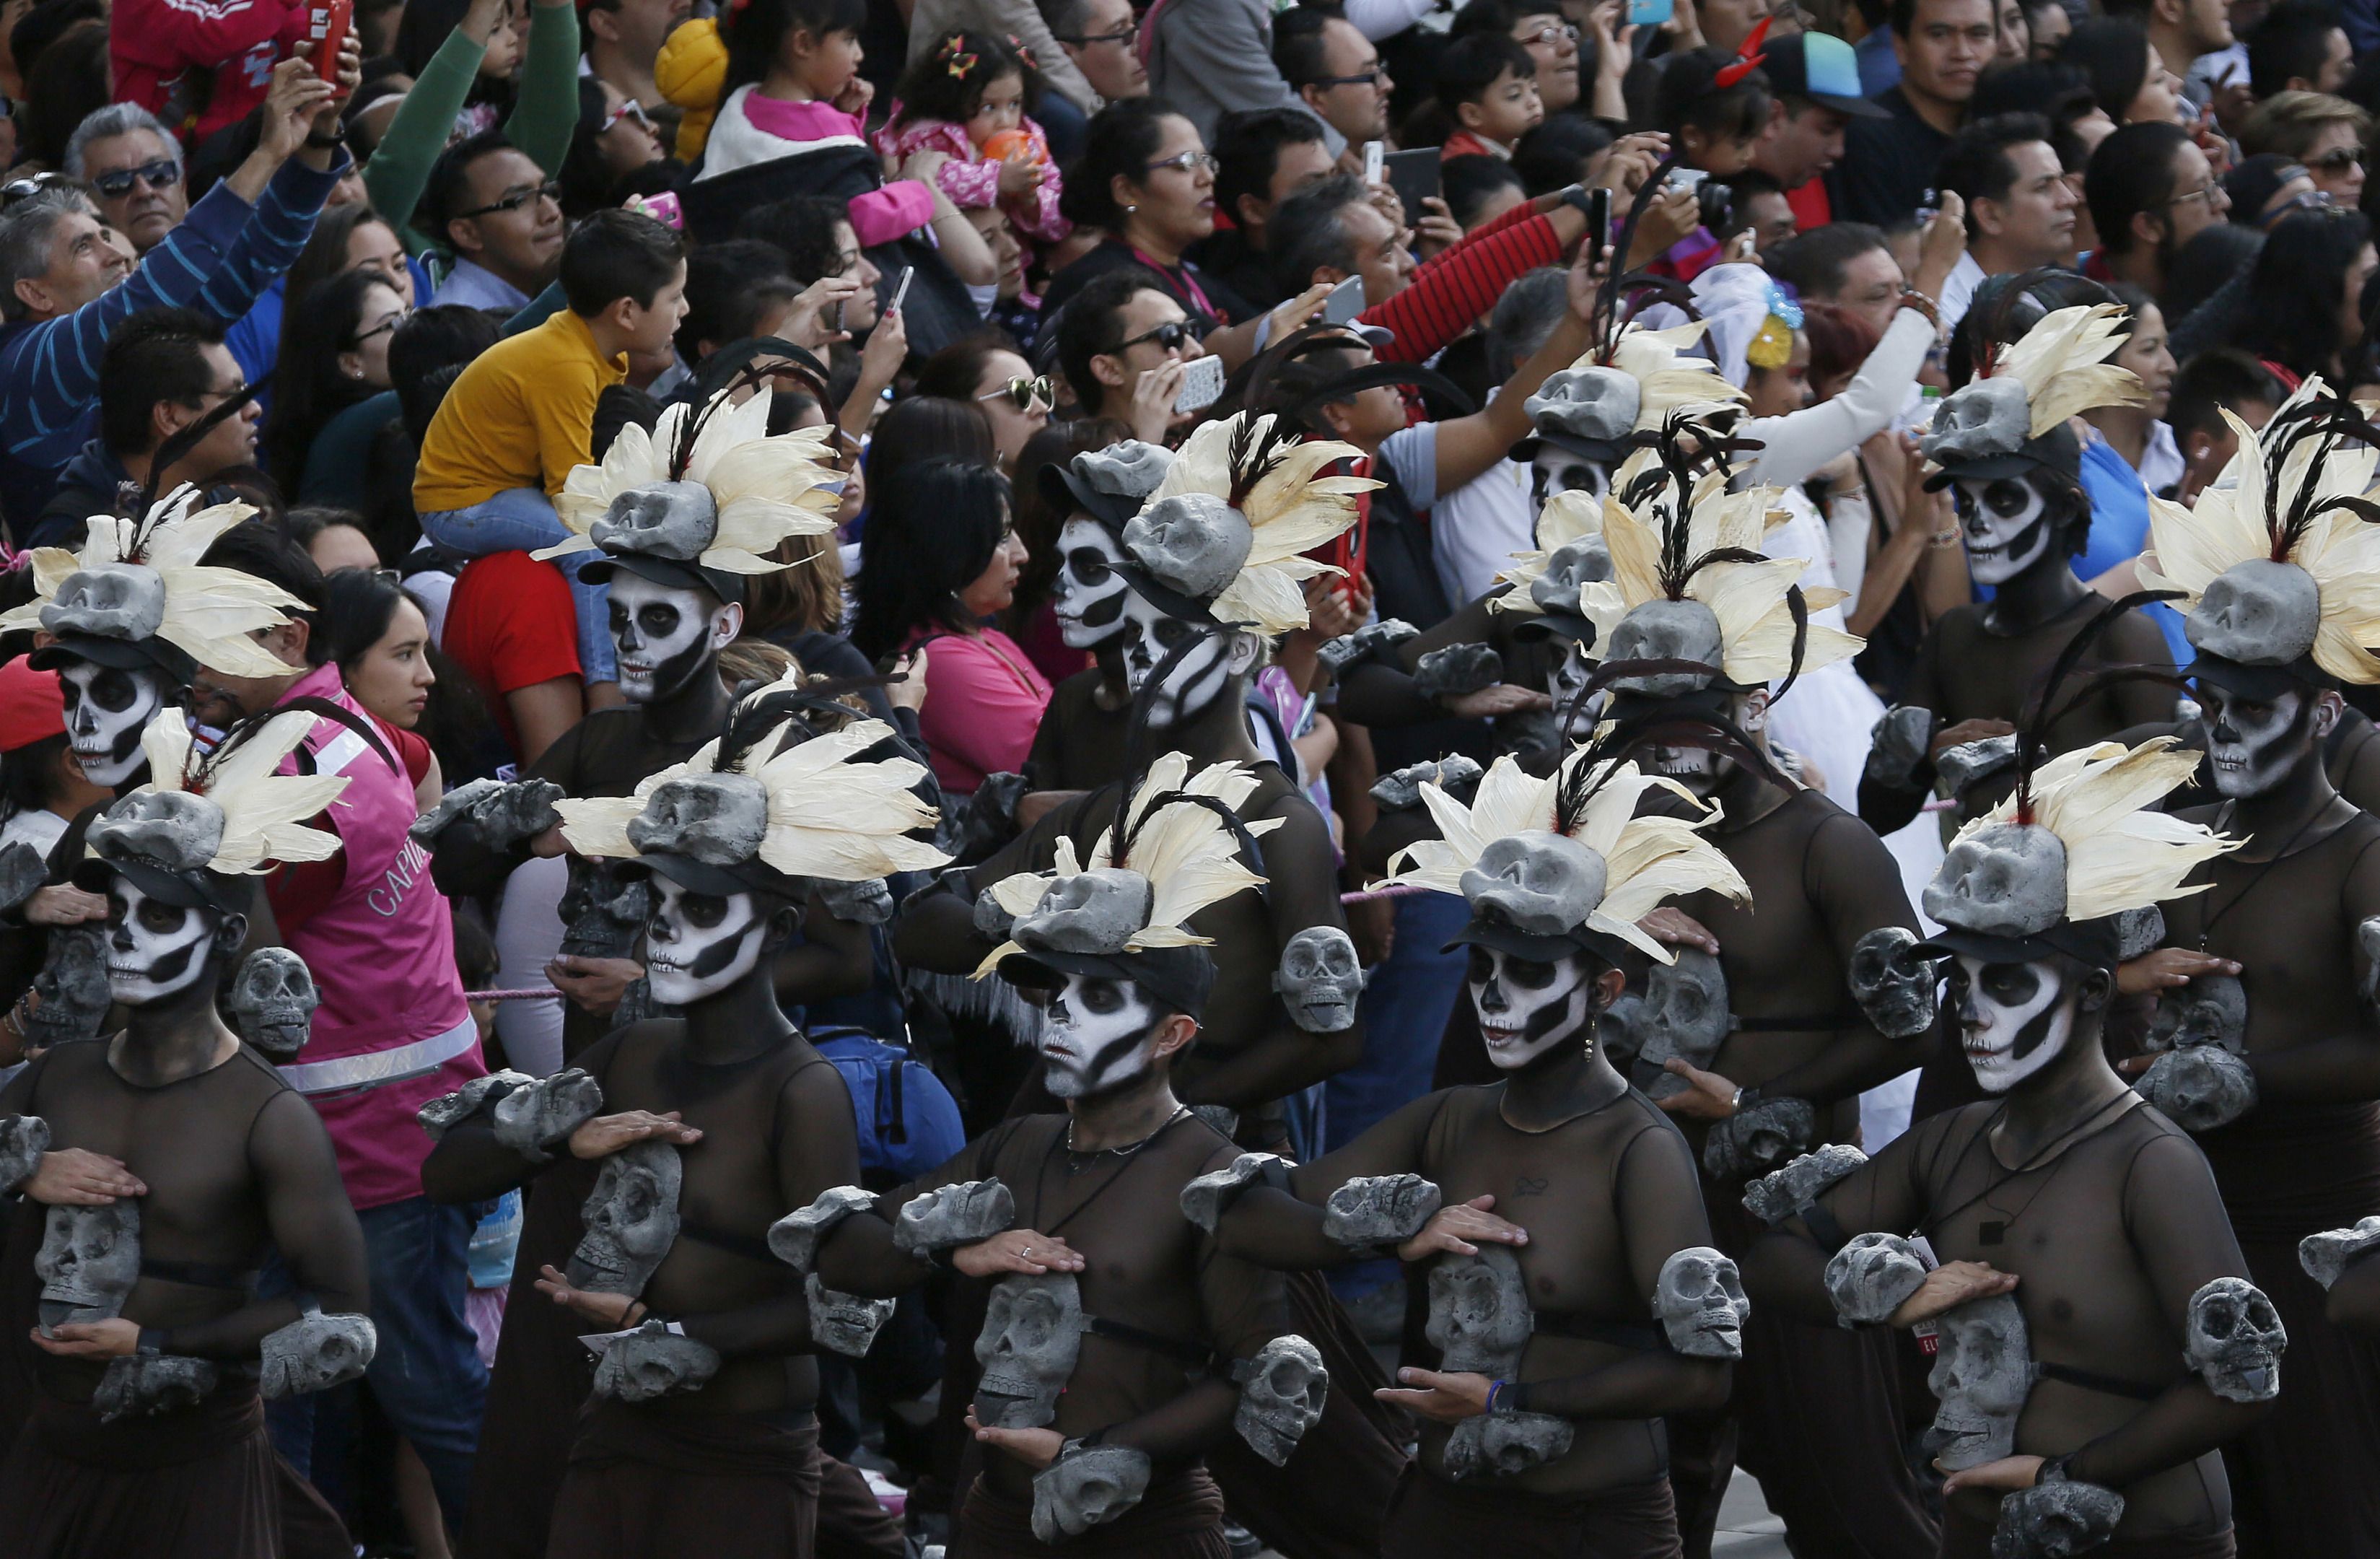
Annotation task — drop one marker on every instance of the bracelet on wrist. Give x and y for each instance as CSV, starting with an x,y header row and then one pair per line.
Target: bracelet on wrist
x,y
323,142
1913,298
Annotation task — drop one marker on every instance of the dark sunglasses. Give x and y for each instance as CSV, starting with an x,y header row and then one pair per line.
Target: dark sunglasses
x,y
161,175
2336,158
549,190
1173,335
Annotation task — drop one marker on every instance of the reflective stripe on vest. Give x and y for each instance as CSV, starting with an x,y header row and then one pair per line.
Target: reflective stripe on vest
x,y
375,1067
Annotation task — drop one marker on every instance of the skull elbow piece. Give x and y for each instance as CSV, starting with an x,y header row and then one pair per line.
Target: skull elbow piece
x,y
2233,1337
1281,1392
1457,670
952,1216
2323,1256
1781,1193
534,1120
448,1110
24,1140
1088,1486
1207,1197
1373,1211
1870,1277
316,1352
1894,986
2056,1520
1900,753
794,1238
1701,1303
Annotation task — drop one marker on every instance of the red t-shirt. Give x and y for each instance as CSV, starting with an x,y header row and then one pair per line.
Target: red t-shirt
x,y
510,624
1811,207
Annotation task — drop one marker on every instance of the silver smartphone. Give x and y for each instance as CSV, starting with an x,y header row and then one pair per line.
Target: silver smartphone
x,y
1346,301
1202,383
901,291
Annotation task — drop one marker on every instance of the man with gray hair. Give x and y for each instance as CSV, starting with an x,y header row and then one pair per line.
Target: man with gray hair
x,y
133,168
63,287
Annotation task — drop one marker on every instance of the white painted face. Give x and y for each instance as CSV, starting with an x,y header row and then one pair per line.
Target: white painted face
x,y
1203,676
1527,1008
699,945
2013,1018
1090,594
106,709
1094,1036
1564,684
1554,470
2005,527
155,950
2253,746
665,635
1699,769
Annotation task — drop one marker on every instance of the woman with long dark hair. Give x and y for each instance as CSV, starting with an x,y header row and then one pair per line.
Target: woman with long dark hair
x,y
380,641
2308,288
333,354
923,427
2128,76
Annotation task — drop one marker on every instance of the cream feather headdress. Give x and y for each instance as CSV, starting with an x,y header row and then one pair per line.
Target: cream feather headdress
x,y
226,811
2013,413
2280,560
708,487
1637,381
140,581
1567,856
1221,538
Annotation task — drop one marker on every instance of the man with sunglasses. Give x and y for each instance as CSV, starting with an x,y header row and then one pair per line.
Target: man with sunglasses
x,y
1121,344
133,168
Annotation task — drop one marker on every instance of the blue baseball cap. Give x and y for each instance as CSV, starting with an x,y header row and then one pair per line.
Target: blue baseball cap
x,y
1820,67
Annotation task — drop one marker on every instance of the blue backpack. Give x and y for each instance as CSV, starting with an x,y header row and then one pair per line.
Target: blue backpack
x,y
908,1122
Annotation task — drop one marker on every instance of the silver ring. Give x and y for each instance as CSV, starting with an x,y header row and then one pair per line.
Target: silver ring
x,y
1028,1252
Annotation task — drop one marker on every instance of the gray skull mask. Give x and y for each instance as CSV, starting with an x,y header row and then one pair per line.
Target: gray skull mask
x,y
1869,1277
1982,418
316,1352
2211,1010
273,1000
170,829
1701,1303
1684,1017
2234,1339
1896,989
1981,1376
672,519
73,987
2199,1087
717,819
1319,979
2056,1521
653,1362
632,1220
1543,883
843,1323
1668,630
602,909
1587,402
1281,1392
89,1261
1479,1314
1192,543
105,708
2257,613
2005,879
1032,1333
123,601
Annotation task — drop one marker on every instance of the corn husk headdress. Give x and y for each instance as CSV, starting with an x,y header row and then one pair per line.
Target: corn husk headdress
x,y
2012,417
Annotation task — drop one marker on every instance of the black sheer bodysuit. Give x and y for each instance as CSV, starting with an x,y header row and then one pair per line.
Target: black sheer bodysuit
x,y
777,1132
237,1166
1080,742
1606,1198
1175,1311
2111,1229
1407,728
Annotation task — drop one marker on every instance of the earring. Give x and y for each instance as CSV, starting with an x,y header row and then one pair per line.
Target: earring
x,y
1129,209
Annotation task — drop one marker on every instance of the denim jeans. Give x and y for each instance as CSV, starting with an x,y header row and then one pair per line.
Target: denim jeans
x,y
522,519
426,1376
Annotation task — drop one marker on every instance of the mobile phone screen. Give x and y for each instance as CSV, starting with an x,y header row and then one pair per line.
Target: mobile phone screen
x,y
902,290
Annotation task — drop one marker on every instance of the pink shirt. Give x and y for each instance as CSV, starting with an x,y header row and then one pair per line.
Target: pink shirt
x,y
972,179
983,703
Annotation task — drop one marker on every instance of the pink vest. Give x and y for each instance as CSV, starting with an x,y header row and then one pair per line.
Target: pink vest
x,y
392,1031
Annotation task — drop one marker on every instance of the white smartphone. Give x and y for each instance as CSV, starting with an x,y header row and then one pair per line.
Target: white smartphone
x,y
1345,303
1202,383
1375,155
902,290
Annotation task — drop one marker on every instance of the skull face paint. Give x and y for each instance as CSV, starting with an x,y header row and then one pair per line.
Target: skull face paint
x,y
699,945
155,950
665,636
2006,525
1088,594
2253,746
1555,469
1198,680
106,709
89,1261
1094,1035
2014,1019
1527,1008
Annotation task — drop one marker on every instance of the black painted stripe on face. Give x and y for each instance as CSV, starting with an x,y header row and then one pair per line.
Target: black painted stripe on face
x,y
2037,1030
174,965
714,959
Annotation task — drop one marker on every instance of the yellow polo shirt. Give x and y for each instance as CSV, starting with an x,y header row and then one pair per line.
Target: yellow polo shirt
x,y
519,416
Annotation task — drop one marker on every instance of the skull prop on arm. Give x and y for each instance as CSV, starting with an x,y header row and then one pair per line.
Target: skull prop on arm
x,y
1032,1334
1781,1193
794,1238
1870,1277
442,1114
1701,1303
1319,979
1480,1321
843,1323
316,1352
653,1362
950,1216
1756,1139
2211,1010
868,902
121,600
24,1140
1457,776
1969,764
2200,1086
632,1220
1376,1211
677,520
1088,1486
1281,1392
89,1261
1982,1375
603,909
73,989
1684,1017
141,1385
1372,641
2234,1339
2325,1256
1900,748
1454,670
106,708
536,1119
2056,1521
272,1001
1896,988
1205,1199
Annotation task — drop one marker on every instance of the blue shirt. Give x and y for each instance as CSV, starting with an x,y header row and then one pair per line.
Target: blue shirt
x,y
1878,67
476,286
2119,528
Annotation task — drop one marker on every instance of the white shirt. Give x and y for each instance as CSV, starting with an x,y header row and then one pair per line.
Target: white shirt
x,y
1958,291
40,828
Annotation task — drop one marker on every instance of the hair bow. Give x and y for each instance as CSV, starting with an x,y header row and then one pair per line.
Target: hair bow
x,y
1024,51
1748,56
959,63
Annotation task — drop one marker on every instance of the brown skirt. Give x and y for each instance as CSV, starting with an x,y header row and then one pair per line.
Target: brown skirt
x,y
1966,1538
200,1483
851,1524
1180,1517
647,1485
1431,1518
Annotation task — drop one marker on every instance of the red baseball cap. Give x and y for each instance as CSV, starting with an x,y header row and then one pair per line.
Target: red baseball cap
x,y
30,705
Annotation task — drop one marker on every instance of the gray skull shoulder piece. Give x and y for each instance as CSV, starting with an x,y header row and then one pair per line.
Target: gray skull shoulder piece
x,y
316,1352
1970,763
2234,1339
142,1384
535,1120
1701,1303
1981,419
1900,747
2199,1088
272,1001
1870,1276
1319,979
1454,670
442,1114
1281,1392
1126,469
1192,543
89,1261
2323,1256
1455,774
1479,1313
1379,1209
1372,638
632,1220
73,988
1755,1140
2211,1010
1897,990
2261,612
1205,1199
794,1238
868,902
1983,1373
2005,879
1781,1193
2056,1520
22,871
452,809
654,1362
843,1323
946,1218
1032,1334
1088,1486
24,1140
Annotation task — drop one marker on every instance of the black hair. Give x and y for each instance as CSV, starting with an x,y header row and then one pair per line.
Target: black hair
x,y
1306,232
358,606
2130,173
309,387
1469,182
2292,39
1298,52
428,350
476,961
1815,263
755,33
955,370
617,254
617,406
1468,67
2218,380
2298,283
1978,165
325,254
32,776
1554,155
920,428
726,290
2201,267
264,550
155,355
1249,147
1903,17
1088,326
803,226
948,80
446,193
67,84
1689,95
2030,86
425,26
2114,55
932,529
44,25
1122,141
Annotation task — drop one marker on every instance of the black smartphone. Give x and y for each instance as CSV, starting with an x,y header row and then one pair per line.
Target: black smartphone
x,y
1413,175
1598,223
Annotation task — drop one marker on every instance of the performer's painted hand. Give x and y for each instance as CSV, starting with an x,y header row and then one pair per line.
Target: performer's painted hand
x,y
605,1310
1446,1399
1018,1250
1948,1286
2009,1473
609,1134
1709,1098
79,1177
1673,927
1037,1448
91,1339
2167,967
1450,1227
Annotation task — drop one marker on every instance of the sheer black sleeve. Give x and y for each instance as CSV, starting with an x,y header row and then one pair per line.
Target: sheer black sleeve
x,y
858,1255
2338,1066
1855,884
468,1164
1787,1266
1887,808
1282,1230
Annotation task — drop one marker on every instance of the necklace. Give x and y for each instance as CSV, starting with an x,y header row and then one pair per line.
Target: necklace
x,y
1093,1155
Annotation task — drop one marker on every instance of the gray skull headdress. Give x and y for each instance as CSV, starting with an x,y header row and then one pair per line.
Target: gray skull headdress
x,y
1668,630
1192,543
718,819
172,829
2005,879
1540,882
1095,911
1125,470
1983,419
677,520
1600,404
2261,612
123,601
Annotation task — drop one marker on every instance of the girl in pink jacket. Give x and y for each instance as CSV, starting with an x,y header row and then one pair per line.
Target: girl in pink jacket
x,y
970,98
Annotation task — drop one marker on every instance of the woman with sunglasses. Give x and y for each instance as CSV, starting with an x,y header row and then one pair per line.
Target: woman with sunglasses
x,y
2324,134
986,371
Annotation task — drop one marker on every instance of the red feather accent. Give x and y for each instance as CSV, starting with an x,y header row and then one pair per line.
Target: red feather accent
x,y
1747,57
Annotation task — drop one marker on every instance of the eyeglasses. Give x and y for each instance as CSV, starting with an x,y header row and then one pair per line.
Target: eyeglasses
x,y
1367,79
1023,393
385,327
1189,162
2337,158
1552,33
629,109
160,176
549,190
2206,192
1170,336
1126,37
